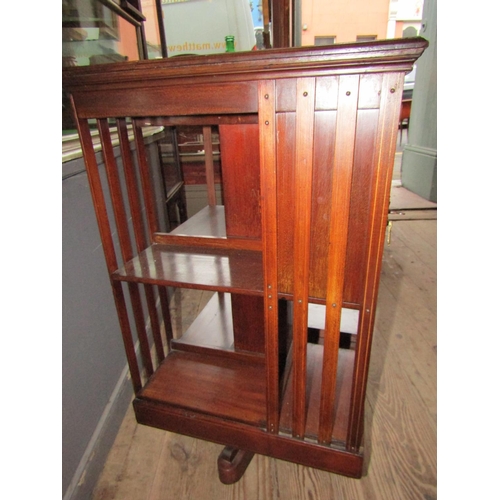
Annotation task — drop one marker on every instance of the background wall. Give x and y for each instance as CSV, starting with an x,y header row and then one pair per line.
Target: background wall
x,y
344,19
419,163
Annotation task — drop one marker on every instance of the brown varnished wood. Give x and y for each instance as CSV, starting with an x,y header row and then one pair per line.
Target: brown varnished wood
x,y
325,128
286,95
138,224
241,186
327,89
211,385
169,121
128,340
127,254
370,89
97,194
209,165
361,198
302,242
285,147
153,224
126,250
232,464
207,242
248,437
108,247
185,100
268,189
343,380
165,311
350,58
337,247
383,156
248,323
307,188
241,179
147,189
132,186
225,270
115,190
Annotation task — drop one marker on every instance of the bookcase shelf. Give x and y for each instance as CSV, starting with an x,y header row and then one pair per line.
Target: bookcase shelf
x,y
210,385
224,270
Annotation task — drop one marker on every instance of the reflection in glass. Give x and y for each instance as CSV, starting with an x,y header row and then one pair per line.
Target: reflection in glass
x,y
92,33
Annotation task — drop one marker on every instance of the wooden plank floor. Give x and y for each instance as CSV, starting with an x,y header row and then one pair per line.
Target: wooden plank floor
x,y
400,435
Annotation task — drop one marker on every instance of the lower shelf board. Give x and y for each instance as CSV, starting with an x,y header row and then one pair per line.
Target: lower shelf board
x,y
232,389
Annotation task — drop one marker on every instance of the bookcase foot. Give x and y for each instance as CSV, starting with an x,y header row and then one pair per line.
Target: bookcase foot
x,y
232,464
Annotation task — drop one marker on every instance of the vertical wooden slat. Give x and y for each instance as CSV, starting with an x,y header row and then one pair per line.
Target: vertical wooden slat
x,y
115,190
132,186
128,340
147,188
285,155
341,199
209,165
390,102
124,238
302,244
135,208
165,310
267,145
182,206
108,247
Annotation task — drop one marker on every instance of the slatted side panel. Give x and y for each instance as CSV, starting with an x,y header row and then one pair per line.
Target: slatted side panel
x,y
103,222
139,229
325,193
131,195
124,238
325,129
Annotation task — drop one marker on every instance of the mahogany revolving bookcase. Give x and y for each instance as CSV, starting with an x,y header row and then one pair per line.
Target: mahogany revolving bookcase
x,y
307,143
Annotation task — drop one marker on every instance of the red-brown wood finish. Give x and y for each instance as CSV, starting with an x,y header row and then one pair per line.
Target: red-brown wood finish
x,y
209,165
305,91
308,138
241,186
337,244
268,186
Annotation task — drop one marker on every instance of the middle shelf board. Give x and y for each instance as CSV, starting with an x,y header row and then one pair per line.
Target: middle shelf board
x,y
209,221
235,389
225,270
